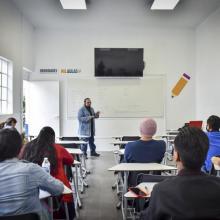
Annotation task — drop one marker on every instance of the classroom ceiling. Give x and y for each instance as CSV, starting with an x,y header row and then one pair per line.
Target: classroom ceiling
x,y
49,13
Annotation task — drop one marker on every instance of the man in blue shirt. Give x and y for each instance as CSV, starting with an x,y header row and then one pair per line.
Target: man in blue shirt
x,y
145,150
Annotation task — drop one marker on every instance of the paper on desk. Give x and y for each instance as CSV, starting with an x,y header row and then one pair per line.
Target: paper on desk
x,y
67,190
147,187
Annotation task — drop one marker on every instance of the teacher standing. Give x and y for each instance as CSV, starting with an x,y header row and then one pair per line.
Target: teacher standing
x,y
86,117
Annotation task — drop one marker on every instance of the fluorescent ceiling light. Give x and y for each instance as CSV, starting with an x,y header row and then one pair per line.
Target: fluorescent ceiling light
x,y
164,4
73,4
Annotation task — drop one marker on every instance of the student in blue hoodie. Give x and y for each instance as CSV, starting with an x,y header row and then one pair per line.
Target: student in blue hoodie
x,y
213,126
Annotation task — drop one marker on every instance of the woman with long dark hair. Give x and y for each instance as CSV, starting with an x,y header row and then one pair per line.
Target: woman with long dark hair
x,y
44,146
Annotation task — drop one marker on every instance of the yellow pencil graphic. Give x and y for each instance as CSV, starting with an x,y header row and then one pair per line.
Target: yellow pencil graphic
x,y
180,85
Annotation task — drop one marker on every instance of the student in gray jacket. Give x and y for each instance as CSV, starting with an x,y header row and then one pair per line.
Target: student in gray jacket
x,y
20,181
86,117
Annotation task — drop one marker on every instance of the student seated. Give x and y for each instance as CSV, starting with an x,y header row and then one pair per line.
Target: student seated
x,y
213,126
192,194
20,181
9,123
44,146
145,150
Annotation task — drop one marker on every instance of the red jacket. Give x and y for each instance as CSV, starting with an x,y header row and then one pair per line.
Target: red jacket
x,y
63,158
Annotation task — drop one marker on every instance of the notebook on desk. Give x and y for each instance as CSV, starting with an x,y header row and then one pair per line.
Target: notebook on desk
x,y
197,124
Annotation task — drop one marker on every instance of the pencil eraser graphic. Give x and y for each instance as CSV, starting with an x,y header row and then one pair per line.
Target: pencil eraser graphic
x,y
180,85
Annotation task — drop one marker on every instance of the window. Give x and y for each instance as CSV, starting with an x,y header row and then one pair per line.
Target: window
x,y
5,86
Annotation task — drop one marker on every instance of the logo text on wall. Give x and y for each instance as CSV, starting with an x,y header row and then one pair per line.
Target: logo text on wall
x,y
62,71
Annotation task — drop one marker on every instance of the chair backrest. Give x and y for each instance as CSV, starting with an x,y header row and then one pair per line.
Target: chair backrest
x,y
69,138
29,216
130,138
197,124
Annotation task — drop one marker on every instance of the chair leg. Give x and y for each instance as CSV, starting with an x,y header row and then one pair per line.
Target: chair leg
x,y
66,211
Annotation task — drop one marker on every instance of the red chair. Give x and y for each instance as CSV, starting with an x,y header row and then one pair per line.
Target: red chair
x,y
197,124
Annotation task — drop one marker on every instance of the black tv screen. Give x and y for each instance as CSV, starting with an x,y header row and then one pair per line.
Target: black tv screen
x,y
119,62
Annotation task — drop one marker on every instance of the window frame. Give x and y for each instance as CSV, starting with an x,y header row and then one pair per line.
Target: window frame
x,y
6,101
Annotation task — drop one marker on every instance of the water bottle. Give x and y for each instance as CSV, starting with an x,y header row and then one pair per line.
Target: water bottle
x,y
46,165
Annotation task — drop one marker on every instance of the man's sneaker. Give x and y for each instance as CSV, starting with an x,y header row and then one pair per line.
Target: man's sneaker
x,y
95,154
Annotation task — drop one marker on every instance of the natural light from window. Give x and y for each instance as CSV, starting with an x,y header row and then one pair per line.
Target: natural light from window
x,y
5,86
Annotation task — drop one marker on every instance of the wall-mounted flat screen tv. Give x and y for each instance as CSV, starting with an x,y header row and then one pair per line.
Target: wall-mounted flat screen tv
x,y
119,62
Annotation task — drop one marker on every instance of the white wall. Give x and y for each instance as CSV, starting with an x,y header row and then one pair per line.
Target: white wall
x,y
27,45
15,45
168,51
207,67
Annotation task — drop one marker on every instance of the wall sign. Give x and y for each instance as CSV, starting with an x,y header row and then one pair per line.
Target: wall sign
x,y
62,71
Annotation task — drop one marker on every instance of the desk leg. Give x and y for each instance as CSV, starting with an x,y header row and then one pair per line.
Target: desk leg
x,y
124,200
66,211
82,180
84,167
51,206
77,190
83,170
75,195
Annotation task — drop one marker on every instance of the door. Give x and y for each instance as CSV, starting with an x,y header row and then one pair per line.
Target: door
x,y
42,106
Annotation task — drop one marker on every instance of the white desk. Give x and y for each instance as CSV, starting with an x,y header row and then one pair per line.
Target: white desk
x,y
149,186
217,168
83,169
76,162
120,151
169,135
129,167
71,142
119,142
141,167
74,151
44,194
76,183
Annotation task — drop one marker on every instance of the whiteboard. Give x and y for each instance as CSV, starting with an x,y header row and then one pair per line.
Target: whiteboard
x,y
118,98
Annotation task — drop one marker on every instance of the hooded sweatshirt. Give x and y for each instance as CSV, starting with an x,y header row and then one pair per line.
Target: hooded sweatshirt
x,y
214,148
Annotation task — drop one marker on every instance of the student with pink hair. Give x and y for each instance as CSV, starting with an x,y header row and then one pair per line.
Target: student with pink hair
x,y
145,150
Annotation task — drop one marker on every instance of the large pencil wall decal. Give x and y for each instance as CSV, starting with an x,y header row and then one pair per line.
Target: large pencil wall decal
x,y
180,85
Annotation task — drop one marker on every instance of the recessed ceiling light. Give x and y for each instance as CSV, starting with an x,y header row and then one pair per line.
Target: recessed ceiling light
x,y
73,4
164,4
